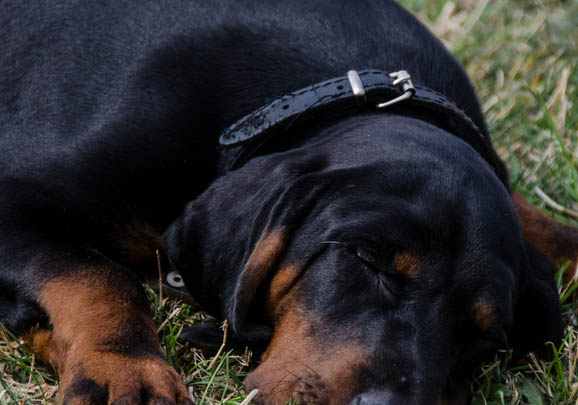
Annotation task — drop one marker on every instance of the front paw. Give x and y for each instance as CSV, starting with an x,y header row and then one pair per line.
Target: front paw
x,y
104,378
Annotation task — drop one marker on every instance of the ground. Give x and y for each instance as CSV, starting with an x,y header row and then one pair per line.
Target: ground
x,y
522,56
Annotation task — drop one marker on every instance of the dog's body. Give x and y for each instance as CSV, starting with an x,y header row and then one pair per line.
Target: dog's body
x,y
109,119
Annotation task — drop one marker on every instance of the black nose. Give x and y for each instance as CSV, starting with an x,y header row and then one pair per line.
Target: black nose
x,y
378,398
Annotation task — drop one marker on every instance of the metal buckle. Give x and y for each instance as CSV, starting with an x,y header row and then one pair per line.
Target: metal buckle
x,y
404,79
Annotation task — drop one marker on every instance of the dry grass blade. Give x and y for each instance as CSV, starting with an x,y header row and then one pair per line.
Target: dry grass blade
x,y
223,345
250,397
553,204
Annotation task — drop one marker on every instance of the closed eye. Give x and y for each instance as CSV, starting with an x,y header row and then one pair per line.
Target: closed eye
x,y
379,272
378,262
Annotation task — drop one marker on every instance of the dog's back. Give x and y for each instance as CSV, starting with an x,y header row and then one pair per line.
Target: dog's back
x,y
110,111
81,77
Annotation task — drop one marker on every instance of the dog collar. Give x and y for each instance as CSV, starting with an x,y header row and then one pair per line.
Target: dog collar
x,y
357,91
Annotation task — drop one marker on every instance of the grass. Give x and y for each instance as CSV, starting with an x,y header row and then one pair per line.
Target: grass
x,y
522,57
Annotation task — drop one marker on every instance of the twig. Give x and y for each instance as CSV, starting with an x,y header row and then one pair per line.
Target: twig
x,y
225,329
25,400
250,397
160,279
169,317
553,204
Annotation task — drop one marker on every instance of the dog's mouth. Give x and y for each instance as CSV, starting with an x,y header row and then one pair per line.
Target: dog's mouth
x,y
298,367
303,383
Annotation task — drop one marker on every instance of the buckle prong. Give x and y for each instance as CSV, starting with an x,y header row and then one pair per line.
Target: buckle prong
x,y
402,78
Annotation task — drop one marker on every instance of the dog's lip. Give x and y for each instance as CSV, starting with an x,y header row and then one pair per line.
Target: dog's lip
x,y
463,397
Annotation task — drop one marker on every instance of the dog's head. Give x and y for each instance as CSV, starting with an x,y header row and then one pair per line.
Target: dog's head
x,y
383,278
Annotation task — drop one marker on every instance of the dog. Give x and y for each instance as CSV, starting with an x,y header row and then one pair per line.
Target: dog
x,y
318,173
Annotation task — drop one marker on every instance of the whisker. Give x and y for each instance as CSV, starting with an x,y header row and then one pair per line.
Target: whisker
x,y
331,242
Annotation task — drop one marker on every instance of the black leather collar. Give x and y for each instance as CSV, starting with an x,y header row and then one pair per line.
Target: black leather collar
x,y
358,91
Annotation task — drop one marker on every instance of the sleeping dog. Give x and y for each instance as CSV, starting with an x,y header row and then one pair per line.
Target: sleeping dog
x,y
318,173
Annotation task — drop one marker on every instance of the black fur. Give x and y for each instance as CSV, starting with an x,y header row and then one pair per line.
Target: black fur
x,y
86,388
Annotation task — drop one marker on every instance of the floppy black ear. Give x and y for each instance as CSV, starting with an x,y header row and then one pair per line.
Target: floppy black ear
x,y
212,245
289,211
229,240
537,317
208,248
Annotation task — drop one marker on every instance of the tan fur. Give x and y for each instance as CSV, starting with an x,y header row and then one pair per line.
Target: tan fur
x,y
484,315
266,250
279,287
297,366
406,264
557,240
40,341
260,263
85,313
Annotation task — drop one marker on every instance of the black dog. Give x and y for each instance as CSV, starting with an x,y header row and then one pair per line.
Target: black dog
x,y
378,250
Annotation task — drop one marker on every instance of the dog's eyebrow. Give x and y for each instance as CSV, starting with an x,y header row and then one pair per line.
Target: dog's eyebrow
x,y
484,313
406,264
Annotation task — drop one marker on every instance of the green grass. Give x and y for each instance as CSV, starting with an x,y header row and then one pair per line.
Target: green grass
x,y
522,57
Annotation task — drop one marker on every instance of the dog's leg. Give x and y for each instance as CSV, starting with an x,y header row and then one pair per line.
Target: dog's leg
x,y
101,338
557,240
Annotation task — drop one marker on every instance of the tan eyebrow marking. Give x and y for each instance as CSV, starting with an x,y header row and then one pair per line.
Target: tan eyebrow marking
x,y
406,264
484,315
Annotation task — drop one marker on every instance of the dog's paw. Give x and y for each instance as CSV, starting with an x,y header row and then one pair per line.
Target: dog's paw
x,y
119,380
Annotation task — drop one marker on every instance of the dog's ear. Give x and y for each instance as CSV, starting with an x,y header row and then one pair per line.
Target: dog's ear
x,y
537,316
261,262
224,254
230,239
290,210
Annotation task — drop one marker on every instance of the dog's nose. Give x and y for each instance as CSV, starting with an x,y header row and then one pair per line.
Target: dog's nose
x,y
378,398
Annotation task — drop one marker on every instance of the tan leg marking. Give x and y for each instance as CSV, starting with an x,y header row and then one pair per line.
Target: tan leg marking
x,y
100,336
557,240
